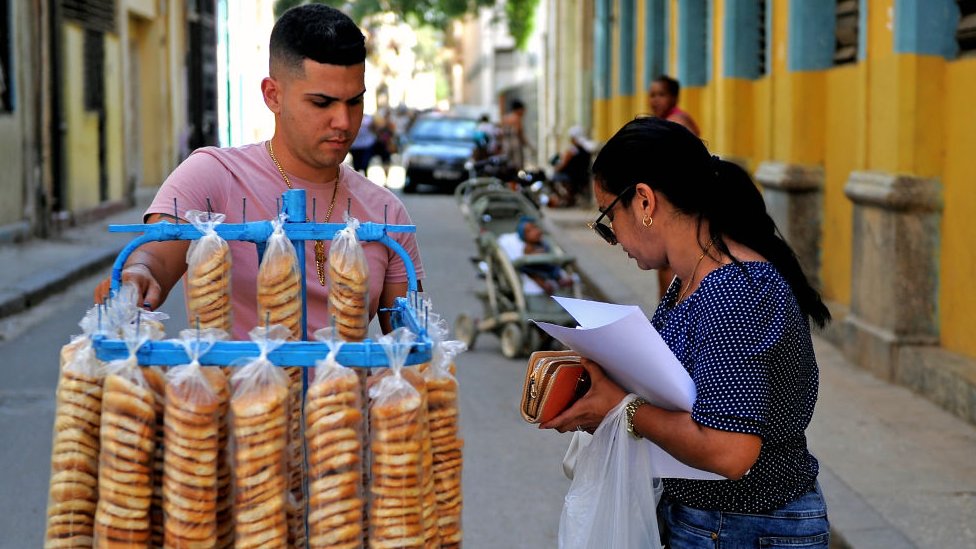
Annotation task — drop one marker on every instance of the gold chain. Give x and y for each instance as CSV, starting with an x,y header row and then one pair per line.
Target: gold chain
x,y
691,280
319,245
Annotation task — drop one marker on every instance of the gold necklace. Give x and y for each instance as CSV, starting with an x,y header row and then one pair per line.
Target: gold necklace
x,y
691,279
319,245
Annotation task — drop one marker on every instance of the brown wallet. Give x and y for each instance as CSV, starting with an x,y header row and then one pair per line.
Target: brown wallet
x,y
554,380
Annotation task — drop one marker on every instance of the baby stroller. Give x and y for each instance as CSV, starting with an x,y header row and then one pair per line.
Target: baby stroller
x,y
508,301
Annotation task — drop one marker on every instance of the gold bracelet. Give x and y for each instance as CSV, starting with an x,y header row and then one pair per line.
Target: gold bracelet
x,y
631,409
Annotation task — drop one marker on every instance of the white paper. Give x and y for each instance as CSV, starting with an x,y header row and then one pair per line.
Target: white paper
x,y
633,354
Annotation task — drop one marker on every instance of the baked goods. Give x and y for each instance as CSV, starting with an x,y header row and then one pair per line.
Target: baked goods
x,y
259,408
208,262
125,460
349,284
155,378
442,406
73,490
333,434
192,425
280,302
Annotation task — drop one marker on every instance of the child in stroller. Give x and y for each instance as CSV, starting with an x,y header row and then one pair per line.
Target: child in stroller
x,y
537,278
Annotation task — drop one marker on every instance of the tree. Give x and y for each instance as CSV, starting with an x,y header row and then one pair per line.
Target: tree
x,y
435,13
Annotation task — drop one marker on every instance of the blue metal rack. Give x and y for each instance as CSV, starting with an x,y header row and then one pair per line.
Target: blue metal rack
x,y
366,354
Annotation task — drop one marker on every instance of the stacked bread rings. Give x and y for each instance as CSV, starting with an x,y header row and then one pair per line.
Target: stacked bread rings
x,y
260,482
74,461
447,446
191,440
208,286
349,297
157,384
333,435
396,484
280,302
125,463
225,500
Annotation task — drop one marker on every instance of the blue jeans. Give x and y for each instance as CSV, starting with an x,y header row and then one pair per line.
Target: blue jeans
x,y
800,523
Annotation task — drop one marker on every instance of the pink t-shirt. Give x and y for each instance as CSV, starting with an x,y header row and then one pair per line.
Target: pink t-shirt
x,y
228,175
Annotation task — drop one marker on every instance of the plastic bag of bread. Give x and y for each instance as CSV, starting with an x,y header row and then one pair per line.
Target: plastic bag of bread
x,y
334,438
442,412
280,302
127,445
349,283
73,491
208,264
259,412
192,421
279,282
396,416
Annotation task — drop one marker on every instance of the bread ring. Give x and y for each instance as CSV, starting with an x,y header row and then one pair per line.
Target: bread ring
x,y
405,432
327,482
74,476
251,513
273,537
258,494
336,388
327,419
108,484
396,407
336,463
324,449
124,404
343,507
72,374
190,531
338,535
259,402
326,497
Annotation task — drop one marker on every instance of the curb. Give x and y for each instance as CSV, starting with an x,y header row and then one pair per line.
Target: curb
x,y
31,292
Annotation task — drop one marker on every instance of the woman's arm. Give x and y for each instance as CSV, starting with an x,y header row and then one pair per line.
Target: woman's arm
x,y
725,453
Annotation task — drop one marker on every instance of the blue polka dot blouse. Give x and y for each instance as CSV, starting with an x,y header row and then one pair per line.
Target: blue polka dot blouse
x,y
747,346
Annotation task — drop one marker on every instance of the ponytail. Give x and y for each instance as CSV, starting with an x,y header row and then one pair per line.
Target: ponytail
x,y
737,210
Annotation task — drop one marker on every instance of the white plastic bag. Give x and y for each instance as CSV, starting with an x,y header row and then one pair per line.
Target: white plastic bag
x,y
612,502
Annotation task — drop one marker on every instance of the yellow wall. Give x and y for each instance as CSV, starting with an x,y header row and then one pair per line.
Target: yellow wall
x,y
81,139
114,113
957,300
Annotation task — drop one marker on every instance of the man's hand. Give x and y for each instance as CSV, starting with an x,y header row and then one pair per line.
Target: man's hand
x,y
138,274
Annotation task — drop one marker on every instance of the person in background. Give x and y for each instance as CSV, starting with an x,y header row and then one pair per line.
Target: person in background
x,y
572,169
512,140
662,97
737,317
386,143
364,147
529,239
315,91
487,138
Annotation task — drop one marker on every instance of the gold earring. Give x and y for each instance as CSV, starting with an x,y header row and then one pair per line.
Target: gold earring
x,y
647,221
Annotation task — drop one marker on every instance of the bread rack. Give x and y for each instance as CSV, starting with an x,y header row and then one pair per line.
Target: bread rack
x,y
364,354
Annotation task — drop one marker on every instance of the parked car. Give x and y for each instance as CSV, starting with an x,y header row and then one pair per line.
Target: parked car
x,y
437,148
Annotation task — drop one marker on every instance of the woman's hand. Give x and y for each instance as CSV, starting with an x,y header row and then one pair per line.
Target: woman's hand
x,y
588,412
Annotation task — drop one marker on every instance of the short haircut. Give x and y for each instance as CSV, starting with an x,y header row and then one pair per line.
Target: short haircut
x,y
516,104
317,32
670,84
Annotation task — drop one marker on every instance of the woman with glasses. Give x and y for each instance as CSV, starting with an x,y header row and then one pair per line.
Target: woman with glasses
x,y
737,316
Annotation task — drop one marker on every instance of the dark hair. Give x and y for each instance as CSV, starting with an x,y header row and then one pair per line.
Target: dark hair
x,y
675,163
515,105
317,32
670,84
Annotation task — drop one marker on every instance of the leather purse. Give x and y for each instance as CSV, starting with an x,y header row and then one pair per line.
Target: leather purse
x,y
554,380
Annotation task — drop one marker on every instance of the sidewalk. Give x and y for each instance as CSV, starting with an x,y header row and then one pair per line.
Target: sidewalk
x,y
36,269
897,470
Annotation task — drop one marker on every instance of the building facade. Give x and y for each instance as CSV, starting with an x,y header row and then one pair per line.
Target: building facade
x,y
104,96
853,115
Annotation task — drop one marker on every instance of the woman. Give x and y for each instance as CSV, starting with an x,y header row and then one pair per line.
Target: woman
x,y
737,317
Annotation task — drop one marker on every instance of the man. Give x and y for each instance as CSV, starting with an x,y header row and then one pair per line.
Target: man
x,y
315,90
512,137
663,99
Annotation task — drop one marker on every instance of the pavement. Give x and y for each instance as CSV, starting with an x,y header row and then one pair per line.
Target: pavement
x,y
897,470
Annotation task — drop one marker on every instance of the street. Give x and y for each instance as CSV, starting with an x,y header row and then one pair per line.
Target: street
x,y
513,481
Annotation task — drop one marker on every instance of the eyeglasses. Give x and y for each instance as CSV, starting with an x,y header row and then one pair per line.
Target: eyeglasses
x,y
606,231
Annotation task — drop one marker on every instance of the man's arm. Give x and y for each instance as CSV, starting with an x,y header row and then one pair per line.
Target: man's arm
x,y
154,268
391,291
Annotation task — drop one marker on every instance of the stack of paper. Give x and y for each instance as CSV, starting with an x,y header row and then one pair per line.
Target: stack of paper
x,y
621,340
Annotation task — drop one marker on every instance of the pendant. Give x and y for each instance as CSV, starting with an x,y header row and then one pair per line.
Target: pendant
x,y
320,261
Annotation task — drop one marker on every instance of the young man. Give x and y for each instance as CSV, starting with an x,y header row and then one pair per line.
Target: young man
x,y
512,137
315,90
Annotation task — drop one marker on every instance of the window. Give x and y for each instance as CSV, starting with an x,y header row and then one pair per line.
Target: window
x,y
763,38
94,70
966,29
846,31
6,60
